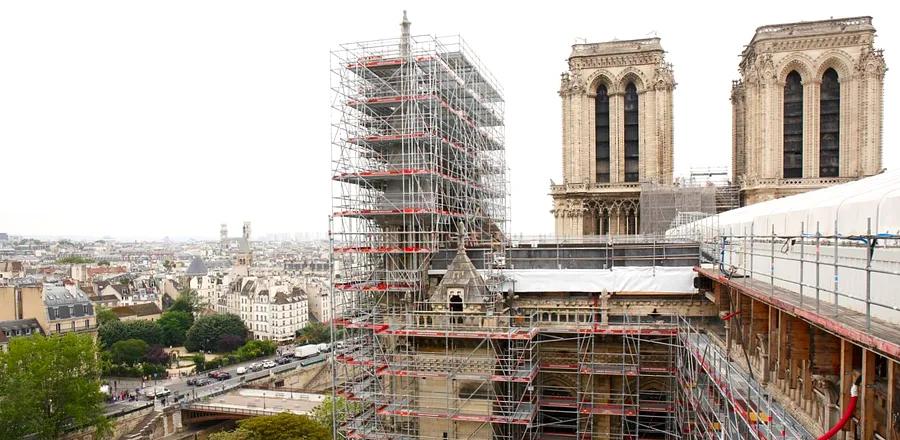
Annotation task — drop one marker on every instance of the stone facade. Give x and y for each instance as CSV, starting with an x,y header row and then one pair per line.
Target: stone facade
x,y
762,130
617,133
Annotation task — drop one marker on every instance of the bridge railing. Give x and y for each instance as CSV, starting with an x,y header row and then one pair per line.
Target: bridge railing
x,y
230,409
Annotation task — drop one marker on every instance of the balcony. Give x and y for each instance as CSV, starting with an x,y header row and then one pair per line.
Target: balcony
x,y
595,187
799,183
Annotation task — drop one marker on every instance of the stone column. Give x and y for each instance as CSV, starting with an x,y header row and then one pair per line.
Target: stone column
x,y
738,148
566,138
811,90
751,142
771,159
590,158
646,136
871,109
849,158
616,137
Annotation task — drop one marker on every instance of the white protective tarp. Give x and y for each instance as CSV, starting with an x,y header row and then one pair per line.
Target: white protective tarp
x,y
850,206
618,279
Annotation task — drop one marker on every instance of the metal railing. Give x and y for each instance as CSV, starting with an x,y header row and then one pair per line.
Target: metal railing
x,y
716,395
855,272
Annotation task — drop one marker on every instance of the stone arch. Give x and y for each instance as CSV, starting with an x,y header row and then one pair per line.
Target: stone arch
x,y
632,74
838,60
649,383
604,77
802,63
559,383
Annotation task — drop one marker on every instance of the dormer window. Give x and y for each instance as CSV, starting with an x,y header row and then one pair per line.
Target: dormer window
x,y
455,299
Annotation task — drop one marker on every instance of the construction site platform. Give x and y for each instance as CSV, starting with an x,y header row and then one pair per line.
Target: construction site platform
x,y
842,322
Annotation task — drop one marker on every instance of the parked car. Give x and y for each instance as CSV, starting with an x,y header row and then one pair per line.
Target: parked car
x,y
269,364
156,392
220,375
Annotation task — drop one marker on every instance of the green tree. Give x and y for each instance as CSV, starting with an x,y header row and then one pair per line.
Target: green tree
x,y
254,349
147,331
174,325
284,426
129,351
186,302
105,315
315,333
207,331
199,362
49,385
237,434
74,260
323,414
168,264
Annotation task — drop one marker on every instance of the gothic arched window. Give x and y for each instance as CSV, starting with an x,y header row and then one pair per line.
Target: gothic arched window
x,y
632,150
601,132
829,124
793,126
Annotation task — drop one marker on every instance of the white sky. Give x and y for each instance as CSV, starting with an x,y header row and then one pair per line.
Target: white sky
x,y
167,118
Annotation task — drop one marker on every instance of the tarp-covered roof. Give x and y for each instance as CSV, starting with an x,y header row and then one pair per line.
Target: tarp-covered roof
x,y
848,205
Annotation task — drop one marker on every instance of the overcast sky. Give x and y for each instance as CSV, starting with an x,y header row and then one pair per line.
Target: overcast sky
x,y
167,118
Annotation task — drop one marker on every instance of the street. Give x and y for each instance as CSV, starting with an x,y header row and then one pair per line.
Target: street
x,y
179,387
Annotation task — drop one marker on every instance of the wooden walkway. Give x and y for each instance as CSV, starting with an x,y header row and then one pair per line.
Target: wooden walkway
x,y
846,323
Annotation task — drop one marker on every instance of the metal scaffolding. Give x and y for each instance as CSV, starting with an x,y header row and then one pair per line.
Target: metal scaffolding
x,y
665,205
418,162
716,399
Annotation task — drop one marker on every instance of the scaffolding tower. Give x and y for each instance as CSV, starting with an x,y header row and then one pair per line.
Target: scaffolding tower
x,y
663,205
418,163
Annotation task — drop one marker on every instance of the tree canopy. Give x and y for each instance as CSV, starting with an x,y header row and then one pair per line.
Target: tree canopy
x,y
186,302
208,332
147,331
324,413
254,349
105,315
174,325
129,351
74,260
284,426
314,333
50,385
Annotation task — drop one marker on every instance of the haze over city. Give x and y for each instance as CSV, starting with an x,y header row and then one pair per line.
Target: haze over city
x,y
165,119
576,220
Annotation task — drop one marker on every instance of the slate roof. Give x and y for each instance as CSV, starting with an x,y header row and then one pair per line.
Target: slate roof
x,y
60,296
145,309
197,268
20,324
462,273
297,294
